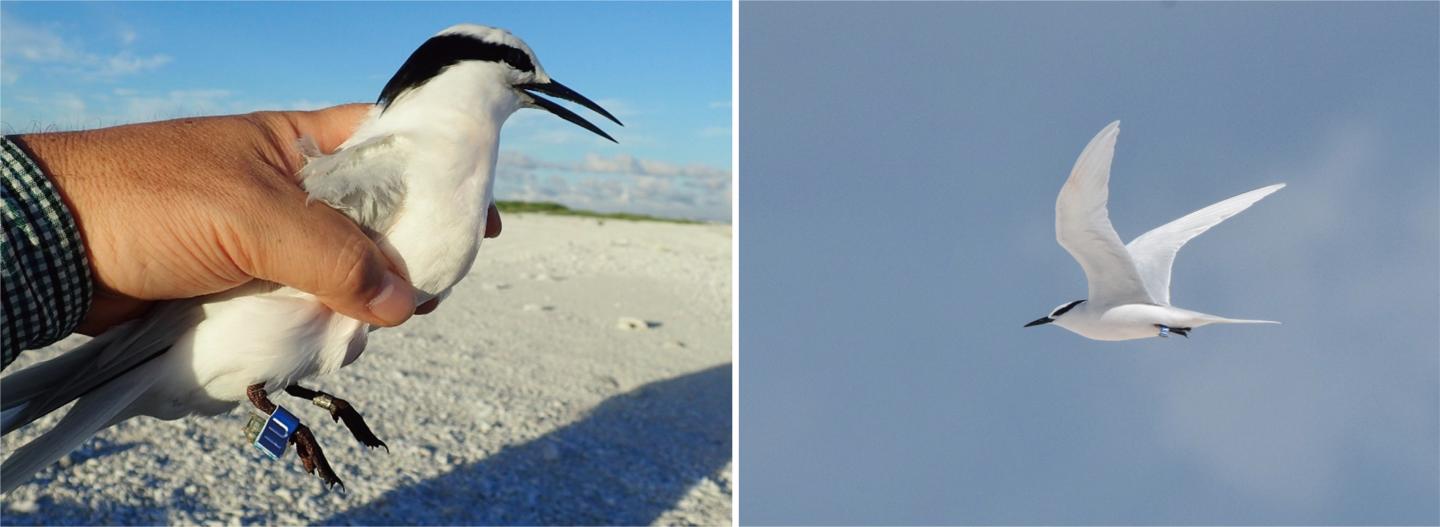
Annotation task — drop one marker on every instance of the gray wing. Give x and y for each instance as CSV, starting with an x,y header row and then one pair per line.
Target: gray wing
x,y
365,181
1082,226
1154,251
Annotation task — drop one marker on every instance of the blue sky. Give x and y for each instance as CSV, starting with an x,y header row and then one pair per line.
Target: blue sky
x,y
664,69
900,167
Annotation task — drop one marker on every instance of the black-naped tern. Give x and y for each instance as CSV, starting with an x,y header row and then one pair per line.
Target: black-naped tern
x,y
1129,284
417,174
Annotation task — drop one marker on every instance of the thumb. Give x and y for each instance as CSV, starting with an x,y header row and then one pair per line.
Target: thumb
x,y
315,249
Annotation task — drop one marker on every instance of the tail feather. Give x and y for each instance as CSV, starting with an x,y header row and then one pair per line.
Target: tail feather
x,y
26,389
92,413
33,392
1222,320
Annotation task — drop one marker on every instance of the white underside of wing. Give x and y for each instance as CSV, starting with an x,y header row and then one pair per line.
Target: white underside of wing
x,y
1154,252
1082,226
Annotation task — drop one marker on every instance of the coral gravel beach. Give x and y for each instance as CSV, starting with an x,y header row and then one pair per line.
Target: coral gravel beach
x,y
580,375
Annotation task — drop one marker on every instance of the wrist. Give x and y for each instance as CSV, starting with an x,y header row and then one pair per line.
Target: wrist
x,y
47,277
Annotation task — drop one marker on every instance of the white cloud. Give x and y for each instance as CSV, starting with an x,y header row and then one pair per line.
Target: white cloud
x,y
23,45
69,104
33,44
627,164
715,131
126,63
176,103
620,164
1290,445
620,183
68,111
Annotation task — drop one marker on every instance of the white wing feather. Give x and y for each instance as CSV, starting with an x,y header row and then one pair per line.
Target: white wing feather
x,y
1154,251
1082,226
94,411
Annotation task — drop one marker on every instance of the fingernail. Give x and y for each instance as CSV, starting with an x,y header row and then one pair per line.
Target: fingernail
x,y
396,301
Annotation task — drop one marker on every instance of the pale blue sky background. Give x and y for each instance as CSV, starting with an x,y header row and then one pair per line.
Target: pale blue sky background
x,y
901,163
663,68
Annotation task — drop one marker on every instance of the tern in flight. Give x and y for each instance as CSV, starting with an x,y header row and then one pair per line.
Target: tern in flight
x,y
1129,284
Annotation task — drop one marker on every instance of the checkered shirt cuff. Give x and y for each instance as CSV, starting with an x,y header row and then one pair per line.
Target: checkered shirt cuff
x,y
46,280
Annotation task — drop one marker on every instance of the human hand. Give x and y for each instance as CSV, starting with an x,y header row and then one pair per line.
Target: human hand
x,y
190,207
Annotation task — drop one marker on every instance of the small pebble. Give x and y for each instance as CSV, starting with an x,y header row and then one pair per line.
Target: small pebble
x,y
24,506
632,324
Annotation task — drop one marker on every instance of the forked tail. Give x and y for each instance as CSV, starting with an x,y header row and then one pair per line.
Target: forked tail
x,y
1222,320
93,412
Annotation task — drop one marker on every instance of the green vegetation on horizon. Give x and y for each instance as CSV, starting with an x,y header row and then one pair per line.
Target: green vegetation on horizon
x,y
547,207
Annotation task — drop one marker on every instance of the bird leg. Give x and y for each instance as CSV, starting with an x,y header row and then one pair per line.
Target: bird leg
x,y
1165,331
311,457
340,409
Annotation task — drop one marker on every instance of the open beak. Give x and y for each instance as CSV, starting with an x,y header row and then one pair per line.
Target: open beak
x,y
1042,320
556,89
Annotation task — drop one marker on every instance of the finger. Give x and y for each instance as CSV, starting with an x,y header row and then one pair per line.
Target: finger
x,y
492,222
428,307
315,249
330,127
327,127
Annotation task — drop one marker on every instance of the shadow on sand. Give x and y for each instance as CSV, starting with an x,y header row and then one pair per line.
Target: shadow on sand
x,y
627,462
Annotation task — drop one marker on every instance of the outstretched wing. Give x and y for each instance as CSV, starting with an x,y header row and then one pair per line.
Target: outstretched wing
x,y
1082,226
1154,251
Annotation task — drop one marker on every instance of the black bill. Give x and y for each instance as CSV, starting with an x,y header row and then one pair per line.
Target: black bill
x,y
1042,320
556,89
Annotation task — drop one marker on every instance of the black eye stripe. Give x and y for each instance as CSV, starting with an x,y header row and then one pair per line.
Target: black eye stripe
x,y
443,51
1067,307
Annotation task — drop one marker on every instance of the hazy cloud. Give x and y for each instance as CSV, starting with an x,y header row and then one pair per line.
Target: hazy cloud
x,y
38,46
1290,446
715,131
70,111
620,182
127,63
176,103
619,164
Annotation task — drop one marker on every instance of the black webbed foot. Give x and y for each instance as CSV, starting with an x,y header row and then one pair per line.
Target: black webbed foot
x,y
1165,331
311,456
340,410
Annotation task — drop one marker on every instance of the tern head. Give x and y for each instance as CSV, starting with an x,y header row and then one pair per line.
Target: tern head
x,y
1055,314
497,59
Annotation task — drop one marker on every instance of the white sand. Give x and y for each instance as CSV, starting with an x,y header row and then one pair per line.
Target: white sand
x,y
521,400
